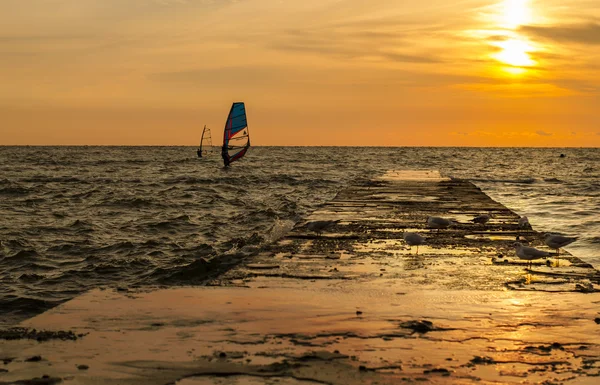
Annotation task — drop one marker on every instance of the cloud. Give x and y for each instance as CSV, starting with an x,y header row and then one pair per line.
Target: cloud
x,y
581,34
503,134
355,43
351,52
171,2
543,133
223,76
404,58
45,39
498,38
274,74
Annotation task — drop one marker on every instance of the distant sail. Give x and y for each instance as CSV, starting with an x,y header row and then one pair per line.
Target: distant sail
x,y
236,138
206,147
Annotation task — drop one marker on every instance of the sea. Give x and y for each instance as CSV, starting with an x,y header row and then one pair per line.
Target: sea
x,y
77,218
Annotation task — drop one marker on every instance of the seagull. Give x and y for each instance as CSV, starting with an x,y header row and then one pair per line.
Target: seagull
x,y
529,253
413,239
555,241
524,222
482,219
319,226
438,223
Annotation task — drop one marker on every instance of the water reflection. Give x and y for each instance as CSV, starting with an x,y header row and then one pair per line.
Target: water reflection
x,y
414,262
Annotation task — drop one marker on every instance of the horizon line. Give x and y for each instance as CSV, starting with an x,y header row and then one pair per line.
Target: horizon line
x,y
281,145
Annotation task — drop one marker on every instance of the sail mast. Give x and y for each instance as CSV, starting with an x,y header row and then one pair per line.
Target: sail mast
x,y
202,137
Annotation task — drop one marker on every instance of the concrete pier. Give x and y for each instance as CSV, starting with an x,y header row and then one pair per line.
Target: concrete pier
x,y
351,304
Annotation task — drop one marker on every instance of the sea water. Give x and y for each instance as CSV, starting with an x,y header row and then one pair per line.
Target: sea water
x,y
75,218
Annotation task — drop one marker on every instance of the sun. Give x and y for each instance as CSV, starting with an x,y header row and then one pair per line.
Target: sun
x,y
515,53
516,13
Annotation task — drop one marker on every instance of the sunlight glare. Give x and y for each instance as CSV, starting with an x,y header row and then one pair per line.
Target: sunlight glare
x,y
513,50
514,70
515,53
516,13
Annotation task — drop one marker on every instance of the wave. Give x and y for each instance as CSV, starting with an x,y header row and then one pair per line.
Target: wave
x,y
54,179
188,180
81,224
553,180
30,277
102,162
193,272
17,266
24,255
177,223
65,248
133,202
86,194
260,215
514,181
16,306
14,190
116,247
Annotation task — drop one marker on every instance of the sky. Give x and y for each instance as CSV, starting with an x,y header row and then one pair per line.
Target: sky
x,y
311,72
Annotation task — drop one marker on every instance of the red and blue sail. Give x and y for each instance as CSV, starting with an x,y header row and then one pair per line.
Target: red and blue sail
x,y
236,138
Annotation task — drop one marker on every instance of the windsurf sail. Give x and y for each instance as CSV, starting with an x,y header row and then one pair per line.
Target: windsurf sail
x,y
206,146
236,139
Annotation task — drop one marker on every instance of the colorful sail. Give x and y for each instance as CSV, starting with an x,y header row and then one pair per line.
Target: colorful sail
x,y
236,138
206,146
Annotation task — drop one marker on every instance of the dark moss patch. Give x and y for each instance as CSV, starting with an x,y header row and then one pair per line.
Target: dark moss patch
x,y
38,335
422,326
44,380
479,360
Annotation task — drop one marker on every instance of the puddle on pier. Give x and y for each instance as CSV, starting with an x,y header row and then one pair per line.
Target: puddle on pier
x,y
399,230
413,175
396,197
492,237
399,247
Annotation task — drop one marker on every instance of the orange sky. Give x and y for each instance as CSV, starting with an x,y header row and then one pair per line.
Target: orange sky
x,y
311,72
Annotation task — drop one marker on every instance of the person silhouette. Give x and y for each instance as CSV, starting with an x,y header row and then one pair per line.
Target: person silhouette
x,y
225,155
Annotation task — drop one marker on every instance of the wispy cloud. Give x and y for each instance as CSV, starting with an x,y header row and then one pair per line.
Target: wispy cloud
x,y
581,34
202,3
503,134
223,76
578,85
41,38
355,42
171,2
543,133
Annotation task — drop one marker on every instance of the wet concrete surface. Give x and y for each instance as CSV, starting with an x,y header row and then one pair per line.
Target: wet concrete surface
x,y
368,244
351,305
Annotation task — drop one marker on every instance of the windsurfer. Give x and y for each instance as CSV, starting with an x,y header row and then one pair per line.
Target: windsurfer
x,y
199,152
225,155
